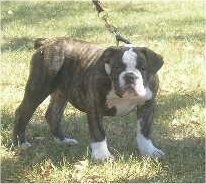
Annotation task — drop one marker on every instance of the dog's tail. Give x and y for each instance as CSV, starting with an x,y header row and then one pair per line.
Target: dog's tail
x,y
39,42
51,53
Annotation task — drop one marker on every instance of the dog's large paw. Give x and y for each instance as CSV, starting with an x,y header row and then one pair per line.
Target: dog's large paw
x,y
147,148
67,141
101,156
100,151
157,153
70,141
24,145
151,151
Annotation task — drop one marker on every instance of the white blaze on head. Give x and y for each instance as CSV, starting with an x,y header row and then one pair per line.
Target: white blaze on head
x,y
129,59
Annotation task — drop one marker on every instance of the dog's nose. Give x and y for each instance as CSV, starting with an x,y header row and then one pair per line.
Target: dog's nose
x,y
130,78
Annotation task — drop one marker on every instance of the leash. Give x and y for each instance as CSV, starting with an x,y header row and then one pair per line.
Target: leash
x,y
105,17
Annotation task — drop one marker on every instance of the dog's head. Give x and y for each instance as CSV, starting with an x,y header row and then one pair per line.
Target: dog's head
x,y
130,69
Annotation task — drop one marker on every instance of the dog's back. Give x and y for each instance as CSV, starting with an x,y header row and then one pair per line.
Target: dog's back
x,y
56,51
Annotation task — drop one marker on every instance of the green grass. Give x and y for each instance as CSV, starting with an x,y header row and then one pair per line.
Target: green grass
x,y
175,29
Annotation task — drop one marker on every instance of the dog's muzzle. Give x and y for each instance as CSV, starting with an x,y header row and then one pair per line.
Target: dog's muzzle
x,y
131,84
130,78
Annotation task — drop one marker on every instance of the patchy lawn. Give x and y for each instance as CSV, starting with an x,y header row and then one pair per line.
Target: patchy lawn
x,y
173,28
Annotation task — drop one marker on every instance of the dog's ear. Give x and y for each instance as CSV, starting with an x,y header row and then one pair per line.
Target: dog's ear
x,y
154,60
106,58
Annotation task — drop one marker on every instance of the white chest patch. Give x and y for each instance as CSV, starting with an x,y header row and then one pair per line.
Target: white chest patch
x,y
123,105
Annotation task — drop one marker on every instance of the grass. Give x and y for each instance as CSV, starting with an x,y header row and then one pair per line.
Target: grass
x,y
173,28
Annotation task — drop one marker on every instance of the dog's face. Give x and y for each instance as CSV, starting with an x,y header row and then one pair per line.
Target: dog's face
x,y
130,69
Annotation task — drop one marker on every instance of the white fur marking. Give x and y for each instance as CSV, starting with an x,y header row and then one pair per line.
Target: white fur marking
x,y
146,146
68,141
123,105
130,45
25,145
148,94
129,58
128,103
107,68
100,150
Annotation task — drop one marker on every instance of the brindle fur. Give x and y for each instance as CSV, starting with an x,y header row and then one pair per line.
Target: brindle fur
x,y
72,70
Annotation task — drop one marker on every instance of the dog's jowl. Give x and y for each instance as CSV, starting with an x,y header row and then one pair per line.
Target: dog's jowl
x,y
98,81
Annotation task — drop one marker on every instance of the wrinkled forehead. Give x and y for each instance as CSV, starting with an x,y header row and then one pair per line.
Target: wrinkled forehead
x,y
127,57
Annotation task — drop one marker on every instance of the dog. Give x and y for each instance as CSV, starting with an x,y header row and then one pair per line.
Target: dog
x,y
99,81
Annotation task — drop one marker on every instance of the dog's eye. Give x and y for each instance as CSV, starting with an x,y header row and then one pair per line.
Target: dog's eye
x,y
116,67
142,68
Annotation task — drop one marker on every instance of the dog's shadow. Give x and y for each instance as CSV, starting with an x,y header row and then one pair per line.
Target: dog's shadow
x,y
120,135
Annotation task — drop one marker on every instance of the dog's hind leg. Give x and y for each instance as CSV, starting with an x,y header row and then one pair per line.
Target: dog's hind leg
x,y
38,87
53,116
32,99
45,65
54,113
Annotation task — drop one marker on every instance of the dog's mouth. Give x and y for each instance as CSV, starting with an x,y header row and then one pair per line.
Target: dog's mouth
x,y
131,90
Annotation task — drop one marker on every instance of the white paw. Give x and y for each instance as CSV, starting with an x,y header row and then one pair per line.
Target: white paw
x,y
25,145
147,148
100,151
151,151
68,141
157,153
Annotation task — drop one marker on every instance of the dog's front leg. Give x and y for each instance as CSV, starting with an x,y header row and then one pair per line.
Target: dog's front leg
x,y
145,116
99,143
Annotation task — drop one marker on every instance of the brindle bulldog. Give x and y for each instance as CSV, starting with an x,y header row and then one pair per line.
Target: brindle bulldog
x,y
98,81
